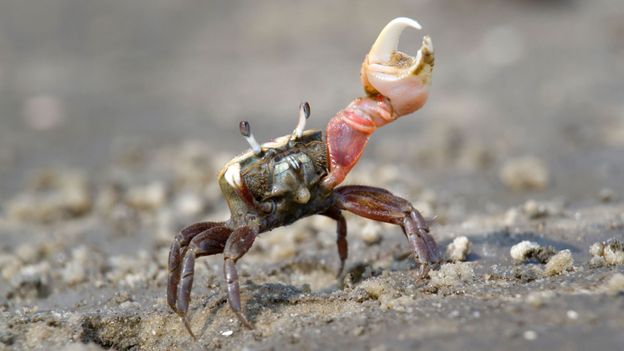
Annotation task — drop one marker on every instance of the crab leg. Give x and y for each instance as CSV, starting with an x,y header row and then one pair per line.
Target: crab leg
x,y
396,85
341,238
237,245
381,205
178,247
195,243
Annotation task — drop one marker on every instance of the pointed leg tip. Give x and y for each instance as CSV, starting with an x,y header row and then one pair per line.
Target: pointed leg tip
x,y
340,271
246,323
187,325
172,306
243,320
424,271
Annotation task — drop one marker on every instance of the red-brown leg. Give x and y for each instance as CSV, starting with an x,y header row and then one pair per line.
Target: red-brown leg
x,y
178,246
207,242
341,238
381,205
237,245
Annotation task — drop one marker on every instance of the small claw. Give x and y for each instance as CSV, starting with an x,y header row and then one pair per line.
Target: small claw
x,y
232,176
400,77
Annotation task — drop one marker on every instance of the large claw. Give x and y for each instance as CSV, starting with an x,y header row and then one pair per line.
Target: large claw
x,y
396,84
400,77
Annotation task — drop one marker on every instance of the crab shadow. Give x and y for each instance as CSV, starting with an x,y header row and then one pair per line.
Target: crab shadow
x,y
275,297
271,296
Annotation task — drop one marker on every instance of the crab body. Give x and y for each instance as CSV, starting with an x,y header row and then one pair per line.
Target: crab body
x,y
280,185
298,175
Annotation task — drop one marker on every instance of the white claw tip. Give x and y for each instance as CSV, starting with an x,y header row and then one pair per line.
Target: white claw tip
x,y
388,40
405,22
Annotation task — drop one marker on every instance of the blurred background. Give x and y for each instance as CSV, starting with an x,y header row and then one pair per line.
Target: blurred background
x,y
116,117
527,97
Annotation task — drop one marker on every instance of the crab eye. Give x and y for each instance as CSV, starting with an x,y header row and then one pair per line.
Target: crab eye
x,y
304,114
245,130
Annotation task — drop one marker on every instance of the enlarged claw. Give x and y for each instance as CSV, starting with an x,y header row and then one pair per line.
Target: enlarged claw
x,y
400,77
396,84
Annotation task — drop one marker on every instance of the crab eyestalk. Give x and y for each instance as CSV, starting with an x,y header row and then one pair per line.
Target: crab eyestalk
x,y
245,131
396,84
304,114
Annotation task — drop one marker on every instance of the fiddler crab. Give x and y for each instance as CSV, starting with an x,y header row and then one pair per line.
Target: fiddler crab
x,y
297,175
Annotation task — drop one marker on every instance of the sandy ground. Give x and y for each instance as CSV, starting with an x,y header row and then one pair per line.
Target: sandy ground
x,y
116,118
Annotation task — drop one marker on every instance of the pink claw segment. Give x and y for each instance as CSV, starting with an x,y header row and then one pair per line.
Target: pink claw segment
x,y
407,97
348,132
344,147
